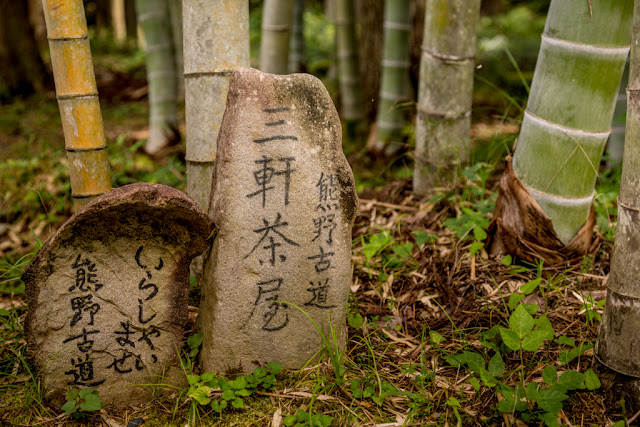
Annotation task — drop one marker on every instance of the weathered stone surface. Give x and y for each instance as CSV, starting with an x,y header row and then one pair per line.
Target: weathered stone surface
x,y
283,202
108,293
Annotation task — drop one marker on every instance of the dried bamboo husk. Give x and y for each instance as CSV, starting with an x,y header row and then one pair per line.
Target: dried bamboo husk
x,y
520,227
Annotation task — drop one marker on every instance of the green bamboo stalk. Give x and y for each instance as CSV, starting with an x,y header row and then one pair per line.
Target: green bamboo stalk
x,y
277,16
446,84
395,76
216,34
77,99
571,103
296,43
348,66
175,15
153,18
617,345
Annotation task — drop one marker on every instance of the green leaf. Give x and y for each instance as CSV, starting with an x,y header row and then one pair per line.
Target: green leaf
x,y
228,395
521,322
568,356
192,379
422,237
195,341
85,392
259,372
530,286
289,420
531,308
355,320
591,380
475,247
534,340
403,251
4,312
550,419
514,300
566,341
571,380
244,392
532,393
506,260
453,402
201,394
239,383
496,365
510,339
474,361
72,394
550,375
475,383
91,403
479,233
274,367
206,377
621,423
544,324
488,379
435,337
237,403
70,407
216,406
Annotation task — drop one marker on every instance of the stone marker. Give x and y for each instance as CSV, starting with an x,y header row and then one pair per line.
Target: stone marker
x,y
108,293
283,202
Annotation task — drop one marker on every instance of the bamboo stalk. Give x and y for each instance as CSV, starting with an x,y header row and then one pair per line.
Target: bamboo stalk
x,y
216,34
348,65
615,144
77,96
446,84
296,43
153,18
119,20
274,44
395,76
175,15
617,345
570,107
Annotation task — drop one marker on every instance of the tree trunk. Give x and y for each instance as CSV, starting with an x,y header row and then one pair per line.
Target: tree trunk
x,y
348,66
618,341
446,84
277,16
395,76
565,127
22,71
296,43
153,18
208,63
77,99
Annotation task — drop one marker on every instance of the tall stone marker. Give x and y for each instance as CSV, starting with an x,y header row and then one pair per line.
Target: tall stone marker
x,y
108,293
283,202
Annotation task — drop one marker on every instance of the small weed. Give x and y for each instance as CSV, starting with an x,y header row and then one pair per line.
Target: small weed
x,y
81,401
230,393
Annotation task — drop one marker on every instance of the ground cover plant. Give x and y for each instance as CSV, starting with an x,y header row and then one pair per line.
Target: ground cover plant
x,y
439,332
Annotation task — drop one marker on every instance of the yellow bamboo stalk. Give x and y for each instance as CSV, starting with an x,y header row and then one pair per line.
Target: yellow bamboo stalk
x,y
77,99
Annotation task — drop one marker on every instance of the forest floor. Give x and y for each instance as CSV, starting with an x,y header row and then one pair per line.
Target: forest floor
x,y
439,333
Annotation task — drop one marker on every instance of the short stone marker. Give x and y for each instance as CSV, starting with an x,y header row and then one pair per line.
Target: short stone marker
x,y
283,202
108,293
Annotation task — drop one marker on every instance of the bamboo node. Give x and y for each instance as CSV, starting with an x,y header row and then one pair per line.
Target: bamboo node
x,y
445,57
